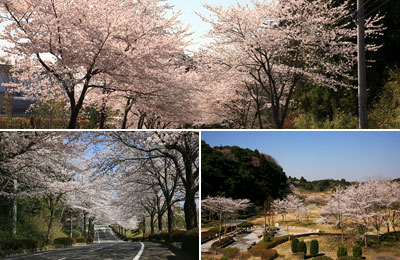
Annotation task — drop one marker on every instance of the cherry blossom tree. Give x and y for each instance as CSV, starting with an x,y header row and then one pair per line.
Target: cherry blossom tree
x,y
266,48
181,148
81,46
336,208
224,206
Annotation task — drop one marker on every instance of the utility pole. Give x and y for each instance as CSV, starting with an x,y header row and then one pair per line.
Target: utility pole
x,y
362,77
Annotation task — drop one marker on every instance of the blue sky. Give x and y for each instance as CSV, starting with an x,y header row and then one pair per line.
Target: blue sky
x,y
354,156
188,8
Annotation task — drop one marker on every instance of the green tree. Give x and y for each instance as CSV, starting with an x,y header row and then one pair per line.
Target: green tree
x,y
357,251
238,173
386,112
314,247
302,247
342,251
294,245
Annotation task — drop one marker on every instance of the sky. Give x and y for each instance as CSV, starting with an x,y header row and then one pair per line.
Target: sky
x,y
318,155
188,15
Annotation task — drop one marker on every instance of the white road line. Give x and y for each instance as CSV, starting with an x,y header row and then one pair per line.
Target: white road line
x,y
98,236
140,252
112,233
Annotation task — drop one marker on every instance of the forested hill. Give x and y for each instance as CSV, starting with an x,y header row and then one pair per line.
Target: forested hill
x,y
231,171
318,185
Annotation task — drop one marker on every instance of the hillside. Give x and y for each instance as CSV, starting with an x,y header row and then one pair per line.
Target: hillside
x,y
231,171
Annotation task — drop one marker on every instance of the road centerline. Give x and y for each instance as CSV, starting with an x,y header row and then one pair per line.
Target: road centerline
x,y
140,252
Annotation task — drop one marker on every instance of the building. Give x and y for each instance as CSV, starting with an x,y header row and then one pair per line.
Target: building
x,y
19,103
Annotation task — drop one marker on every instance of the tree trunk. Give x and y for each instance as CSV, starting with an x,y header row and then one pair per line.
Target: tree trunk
x,y
84,225
220,227
144,226
128,107
159,220
70,224
90,228
73,119
190,210
152,224
14,219
170,216
52,208
365,240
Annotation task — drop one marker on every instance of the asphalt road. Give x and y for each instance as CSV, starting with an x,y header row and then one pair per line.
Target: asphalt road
x,y
107,247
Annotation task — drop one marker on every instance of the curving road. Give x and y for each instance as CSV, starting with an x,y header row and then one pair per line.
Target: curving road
x,y
107,247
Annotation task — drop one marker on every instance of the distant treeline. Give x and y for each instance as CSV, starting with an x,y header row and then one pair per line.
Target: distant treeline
x,y
317,186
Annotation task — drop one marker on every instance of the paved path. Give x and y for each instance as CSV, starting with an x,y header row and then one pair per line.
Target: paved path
x,y
106,247
247,238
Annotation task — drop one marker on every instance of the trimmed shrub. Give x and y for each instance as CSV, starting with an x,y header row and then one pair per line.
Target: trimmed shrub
x,y
16,244
265,254
208,235
262,250
314,247
229,252
342,251
294,244
302,247
190,243
224,241
268,237
64,241
357,251
277,241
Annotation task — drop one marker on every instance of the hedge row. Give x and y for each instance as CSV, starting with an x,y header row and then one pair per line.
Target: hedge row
x,y
263,250
64,241
16,244
223,242
189,240
32,244
208,235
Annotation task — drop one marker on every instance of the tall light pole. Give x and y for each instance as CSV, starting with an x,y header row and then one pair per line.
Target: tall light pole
x,y
362,77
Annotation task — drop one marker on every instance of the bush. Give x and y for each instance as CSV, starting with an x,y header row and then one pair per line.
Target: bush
x,y
323,257
190,243
294,245
16,244
208,235
314,247
357,252
341,252
246,225
268,237
229,252
224,241
81,240
265,254
64,241
76,234
302,247
277,241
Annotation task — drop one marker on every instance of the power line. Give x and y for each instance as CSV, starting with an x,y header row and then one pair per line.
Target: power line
x,y
376,8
